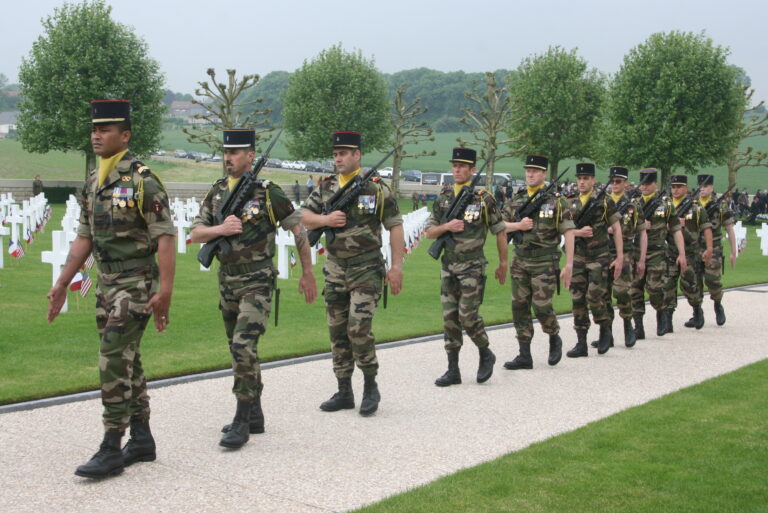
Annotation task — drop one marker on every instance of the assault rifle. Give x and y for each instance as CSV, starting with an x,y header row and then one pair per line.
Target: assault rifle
x,y
714,205
685,206
586,213
240,195
650,207
626,201
531,207
341,199
456,211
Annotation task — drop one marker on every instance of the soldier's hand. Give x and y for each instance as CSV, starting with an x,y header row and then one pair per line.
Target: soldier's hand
x,y
617,265
336,219
610,230
525,224
640,269
682,263
501,273
395,279
565,274
733,260
647,224
56,297
707,256
232,225
159,304
308,287
585,232
454,225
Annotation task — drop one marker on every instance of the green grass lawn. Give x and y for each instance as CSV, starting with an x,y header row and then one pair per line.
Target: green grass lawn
x,y
702,449
41,359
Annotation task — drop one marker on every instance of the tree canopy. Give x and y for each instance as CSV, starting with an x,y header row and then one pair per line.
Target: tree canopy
x,y
675,104
559,101
337,90
85,55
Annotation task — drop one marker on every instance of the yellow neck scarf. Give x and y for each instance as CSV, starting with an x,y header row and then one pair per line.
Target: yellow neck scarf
x,y
532,190
343,179
107,165
232,182
457,187
646,198
584,198
616,197
676,202
704,200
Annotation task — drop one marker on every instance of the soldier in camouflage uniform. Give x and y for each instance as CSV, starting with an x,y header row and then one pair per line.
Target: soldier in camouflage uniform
x,y
632,227
355,272
659,221
592,259
694,225
719,216
462,272
536,265
247,275
124,220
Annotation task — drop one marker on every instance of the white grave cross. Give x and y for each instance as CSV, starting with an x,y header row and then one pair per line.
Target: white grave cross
x,y
57,257
763,234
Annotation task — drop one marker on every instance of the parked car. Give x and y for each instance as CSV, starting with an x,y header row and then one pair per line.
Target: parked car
x,y
272,162
313,166
180,154
411,175
436,178
160,153
385,172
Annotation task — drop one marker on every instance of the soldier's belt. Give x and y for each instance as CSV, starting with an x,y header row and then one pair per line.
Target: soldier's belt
x,y
248,267
450,257
119,266
536,252
357,259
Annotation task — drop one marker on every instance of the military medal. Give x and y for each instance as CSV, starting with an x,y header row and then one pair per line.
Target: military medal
x,y
130,203
115,201
125,178
122,203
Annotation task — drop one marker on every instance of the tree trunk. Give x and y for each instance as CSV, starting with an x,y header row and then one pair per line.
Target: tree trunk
x,y
732,170
665,172
398,159
90,163
491,159
553,171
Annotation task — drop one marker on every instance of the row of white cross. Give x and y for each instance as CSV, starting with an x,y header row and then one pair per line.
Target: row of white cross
x,y
19,221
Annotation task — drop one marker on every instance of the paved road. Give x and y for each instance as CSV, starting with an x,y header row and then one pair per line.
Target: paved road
x,y
311,461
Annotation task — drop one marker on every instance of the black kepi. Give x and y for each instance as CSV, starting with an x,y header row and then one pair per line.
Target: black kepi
x,y
239,138
585,169
110,111
619,172
350,140
678,180
464,156
648,175
537,162
706,180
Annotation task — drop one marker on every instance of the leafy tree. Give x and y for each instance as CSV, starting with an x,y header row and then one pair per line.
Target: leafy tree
x,y
270,89
754,123
85,55
407,131
491,113
169,97
335,91
674,104
559,102
224,111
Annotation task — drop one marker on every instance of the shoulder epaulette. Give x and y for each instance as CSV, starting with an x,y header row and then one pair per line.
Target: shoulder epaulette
x,y
262,182
328,177
220,180
139,167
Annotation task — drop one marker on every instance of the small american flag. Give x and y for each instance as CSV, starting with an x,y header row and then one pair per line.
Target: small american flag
x,y
86,286
15,249
293,259
89,261
320,249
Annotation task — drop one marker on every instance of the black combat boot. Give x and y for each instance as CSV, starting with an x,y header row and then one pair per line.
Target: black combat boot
x,y
256,423
522,360
639,329
606,338
237,435
371,396
596,343
698,317
108,461
453,375
580,349
629,334
141,445
555,349
719,313
690,323
485,367
344,399
660,323
668,326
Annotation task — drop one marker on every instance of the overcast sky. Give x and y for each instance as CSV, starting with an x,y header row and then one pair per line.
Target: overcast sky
x,y
482,35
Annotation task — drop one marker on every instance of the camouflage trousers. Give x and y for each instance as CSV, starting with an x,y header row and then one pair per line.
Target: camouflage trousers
x,y
352,291
687,281
461,293
245,301
533,284
653,281
589,286
712,275
120,319
620,288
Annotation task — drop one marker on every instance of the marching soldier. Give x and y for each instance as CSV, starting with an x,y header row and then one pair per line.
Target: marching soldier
x,y
125,221
536,265
632,226
247,275
462,272
592,260
415,200
660,220
719,216
694,225
354,271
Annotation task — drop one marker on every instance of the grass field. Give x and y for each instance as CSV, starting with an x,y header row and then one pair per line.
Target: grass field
x,y
15,163
703,449
41,359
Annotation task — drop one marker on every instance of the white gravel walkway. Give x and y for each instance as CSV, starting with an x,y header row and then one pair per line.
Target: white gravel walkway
x,y
312,461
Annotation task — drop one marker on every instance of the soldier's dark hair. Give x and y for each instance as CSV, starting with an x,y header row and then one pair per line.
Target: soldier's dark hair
x,y
124,125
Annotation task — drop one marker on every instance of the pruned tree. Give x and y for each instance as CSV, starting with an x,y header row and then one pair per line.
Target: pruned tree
x,y
407,130
488,117
224,111
754,124
85,55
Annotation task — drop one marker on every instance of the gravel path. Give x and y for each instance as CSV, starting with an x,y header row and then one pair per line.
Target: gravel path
x,y
312,461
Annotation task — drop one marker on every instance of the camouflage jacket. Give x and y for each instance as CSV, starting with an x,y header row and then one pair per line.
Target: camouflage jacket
x,y
260,216
632,222
663,222
723,217
693,225
375,206
553,219
603,217
125,216
481,215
